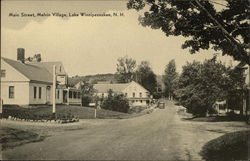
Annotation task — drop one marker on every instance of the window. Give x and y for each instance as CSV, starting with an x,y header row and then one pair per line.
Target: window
x,y
34,92
11,91
79,95
74,94
126,94
140,94
70,94
133,94
40,92
3,73
58,94
141,101
102,95
60,68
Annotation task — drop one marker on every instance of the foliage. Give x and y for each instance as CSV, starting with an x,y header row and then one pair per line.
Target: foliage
x,y
36,57
229,147
87,93
125,68
170,78
207,27
201,84
146,76
86,100
31,114
116,102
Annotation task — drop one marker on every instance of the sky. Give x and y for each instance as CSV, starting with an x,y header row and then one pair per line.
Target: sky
x,y
89,45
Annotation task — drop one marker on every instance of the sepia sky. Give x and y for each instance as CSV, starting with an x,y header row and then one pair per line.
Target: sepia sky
x,y
88,45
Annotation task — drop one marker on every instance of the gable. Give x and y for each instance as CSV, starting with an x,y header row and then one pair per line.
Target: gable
x,y
134,87
32,72
11,74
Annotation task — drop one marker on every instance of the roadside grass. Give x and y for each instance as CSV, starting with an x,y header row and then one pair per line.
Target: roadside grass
x,y
219,118
229,147
10,137
225,118
78,111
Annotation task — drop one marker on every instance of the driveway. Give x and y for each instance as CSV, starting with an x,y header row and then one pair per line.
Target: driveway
x,y
161,135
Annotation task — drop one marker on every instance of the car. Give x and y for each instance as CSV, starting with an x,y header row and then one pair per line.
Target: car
x,y
161,105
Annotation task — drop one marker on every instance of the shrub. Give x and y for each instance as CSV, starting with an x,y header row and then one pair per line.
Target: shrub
x,y
229,147
86,100
116,103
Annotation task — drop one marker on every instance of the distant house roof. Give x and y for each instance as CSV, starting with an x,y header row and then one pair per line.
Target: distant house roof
x,y
117,87
41,71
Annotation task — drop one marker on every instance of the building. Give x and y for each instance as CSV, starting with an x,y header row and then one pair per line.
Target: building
x,y
29,83
245,89
136,94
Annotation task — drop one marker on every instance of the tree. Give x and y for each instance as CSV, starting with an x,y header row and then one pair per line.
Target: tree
x,y
35,58
170,78
125,69
146,77
87,91
116,102
226,30
202,84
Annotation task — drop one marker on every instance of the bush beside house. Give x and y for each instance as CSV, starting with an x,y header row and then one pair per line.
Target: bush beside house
x,y
116,102
40,114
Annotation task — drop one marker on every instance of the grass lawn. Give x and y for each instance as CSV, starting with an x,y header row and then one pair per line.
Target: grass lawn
x,y
10,138
80,112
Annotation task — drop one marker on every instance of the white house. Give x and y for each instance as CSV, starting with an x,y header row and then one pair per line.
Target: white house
x,y
30,83
136,94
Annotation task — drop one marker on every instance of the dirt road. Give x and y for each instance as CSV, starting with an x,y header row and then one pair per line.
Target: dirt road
x,y
161,135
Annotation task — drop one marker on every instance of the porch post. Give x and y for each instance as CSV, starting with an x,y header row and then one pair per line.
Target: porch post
x,y
68,96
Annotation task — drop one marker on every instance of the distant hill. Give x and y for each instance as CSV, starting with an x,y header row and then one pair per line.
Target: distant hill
x,y
102,78
92,78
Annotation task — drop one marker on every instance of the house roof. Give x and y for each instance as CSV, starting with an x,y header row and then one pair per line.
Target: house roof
x,y
49,66
117,87
34,71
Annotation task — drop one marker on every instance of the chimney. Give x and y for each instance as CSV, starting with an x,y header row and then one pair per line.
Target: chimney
x,y
20,54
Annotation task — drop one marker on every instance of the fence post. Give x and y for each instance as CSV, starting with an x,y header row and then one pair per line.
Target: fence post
x,y
95,113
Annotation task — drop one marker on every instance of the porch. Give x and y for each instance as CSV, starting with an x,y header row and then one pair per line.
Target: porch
x,y
72,96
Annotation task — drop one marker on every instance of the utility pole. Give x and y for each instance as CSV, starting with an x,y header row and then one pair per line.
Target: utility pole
x,y
54,92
